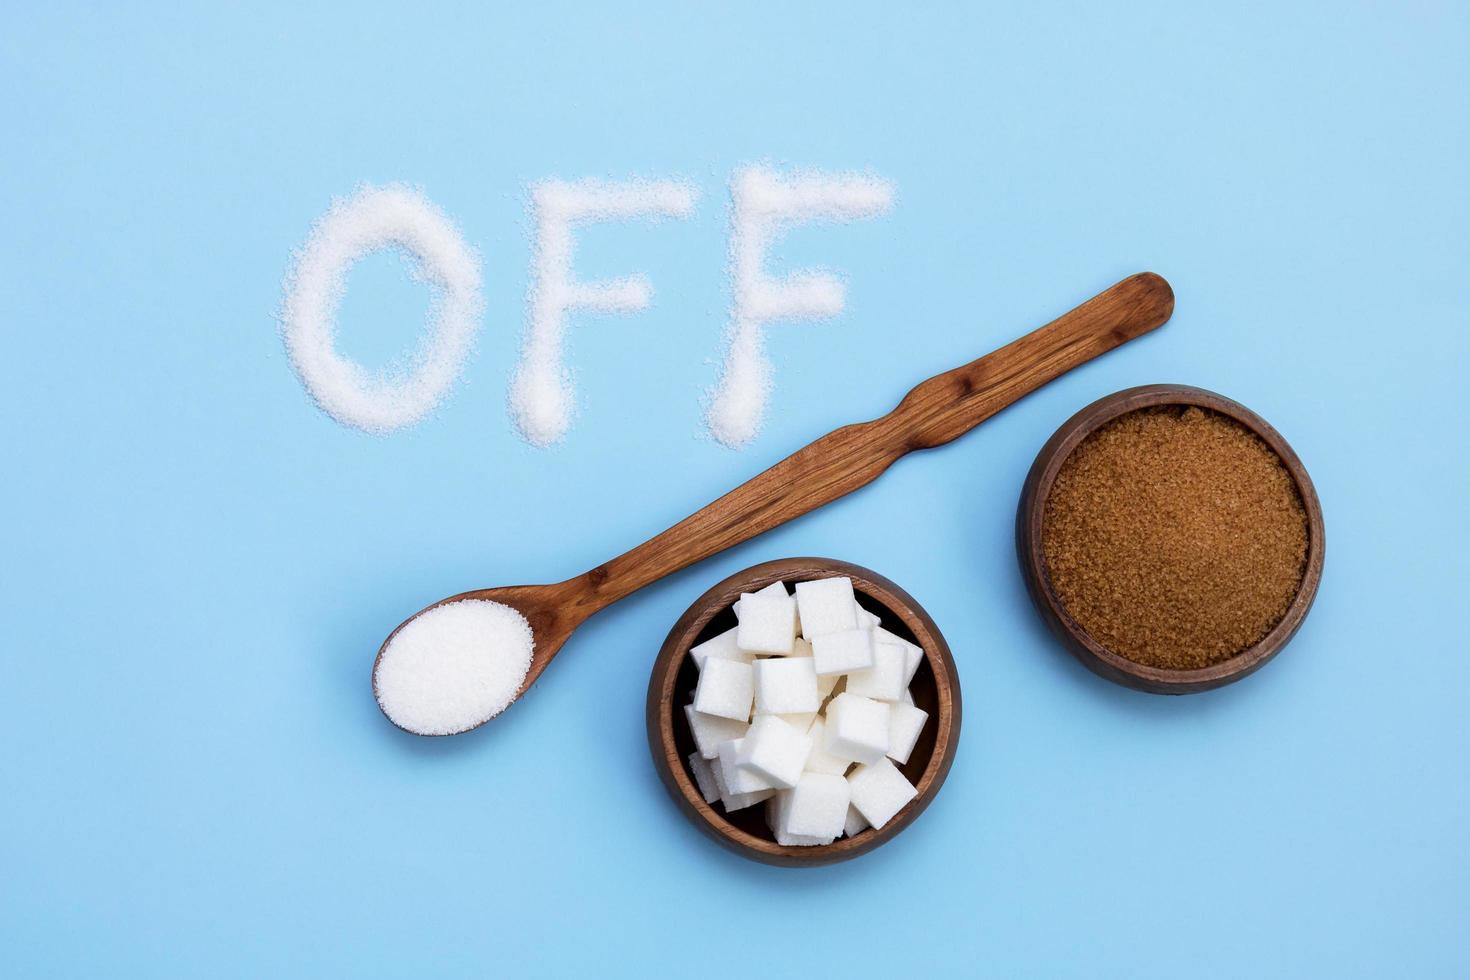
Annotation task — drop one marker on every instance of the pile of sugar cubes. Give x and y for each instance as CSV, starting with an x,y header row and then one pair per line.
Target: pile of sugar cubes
x,y
805,706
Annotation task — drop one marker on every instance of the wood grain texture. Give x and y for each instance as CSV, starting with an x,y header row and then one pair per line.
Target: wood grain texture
x,y
936,689
933,413
1030,552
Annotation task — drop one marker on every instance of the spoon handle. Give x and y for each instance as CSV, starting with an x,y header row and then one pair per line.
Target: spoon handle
x,y
936,411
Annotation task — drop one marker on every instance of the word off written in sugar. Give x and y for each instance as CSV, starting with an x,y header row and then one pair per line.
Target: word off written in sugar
x,y
542,398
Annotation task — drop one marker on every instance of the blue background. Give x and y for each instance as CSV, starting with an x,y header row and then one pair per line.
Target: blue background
x,y
198,565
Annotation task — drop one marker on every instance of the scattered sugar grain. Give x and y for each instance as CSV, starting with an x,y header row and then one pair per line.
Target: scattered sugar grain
x,y
454,666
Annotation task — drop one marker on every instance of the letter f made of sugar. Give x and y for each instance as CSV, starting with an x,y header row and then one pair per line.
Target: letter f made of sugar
x,y
765,205
541,394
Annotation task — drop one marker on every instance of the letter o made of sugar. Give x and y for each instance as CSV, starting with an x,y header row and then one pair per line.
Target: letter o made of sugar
x,y
371,219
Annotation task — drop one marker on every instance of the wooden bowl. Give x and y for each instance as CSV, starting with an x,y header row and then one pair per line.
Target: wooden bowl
x,y
1094,655
935,688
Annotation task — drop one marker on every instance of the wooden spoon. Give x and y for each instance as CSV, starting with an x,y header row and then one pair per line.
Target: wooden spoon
x,y
935,412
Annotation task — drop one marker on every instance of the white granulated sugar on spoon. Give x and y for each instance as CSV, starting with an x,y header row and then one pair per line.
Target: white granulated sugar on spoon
x,y
454,666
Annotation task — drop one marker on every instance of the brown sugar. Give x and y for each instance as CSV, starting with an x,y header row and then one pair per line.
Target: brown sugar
x,y
1175,537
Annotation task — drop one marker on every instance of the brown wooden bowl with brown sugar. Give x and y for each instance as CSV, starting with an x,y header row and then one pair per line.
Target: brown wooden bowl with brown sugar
x,y
1031,549
935,689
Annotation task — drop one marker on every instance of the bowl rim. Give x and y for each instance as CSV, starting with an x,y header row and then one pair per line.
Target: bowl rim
x,y
661,709
1094,655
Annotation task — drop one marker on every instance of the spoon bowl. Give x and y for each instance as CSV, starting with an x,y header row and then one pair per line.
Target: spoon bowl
x,y
551,611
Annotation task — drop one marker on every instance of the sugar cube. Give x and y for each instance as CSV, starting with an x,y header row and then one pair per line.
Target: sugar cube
x,y
775,588
776,808
825,682
767,623
905,722
844,652
879,791
817,807
723,647
801,720
820,759
913,653
704,778
739,779
742,800
856,728
736,801
775,751
833,713
827,606
710,730
884,680
726,688
786,685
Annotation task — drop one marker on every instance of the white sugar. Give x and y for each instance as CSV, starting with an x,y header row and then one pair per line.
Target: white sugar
x,y
806,764
704,777
453,667
376,218
541,395
765,204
